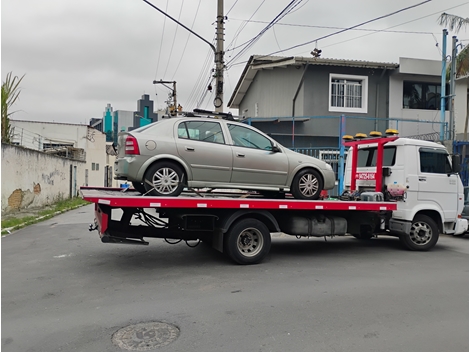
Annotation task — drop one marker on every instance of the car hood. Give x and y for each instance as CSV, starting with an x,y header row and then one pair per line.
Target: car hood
x,y
306,159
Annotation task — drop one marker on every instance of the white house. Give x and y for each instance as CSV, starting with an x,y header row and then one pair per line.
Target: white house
x,y
75,141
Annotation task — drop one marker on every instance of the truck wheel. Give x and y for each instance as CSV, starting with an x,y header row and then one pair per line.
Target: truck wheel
x,y
307,184
164,179
247,241
423,235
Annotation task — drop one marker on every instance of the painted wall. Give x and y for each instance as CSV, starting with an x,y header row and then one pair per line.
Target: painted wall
x,y
34,179
429,71
92,141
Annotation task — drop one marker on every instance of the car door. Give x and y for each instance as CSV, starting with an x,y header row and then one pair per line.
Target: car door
x,y
436,183
201,144
254,162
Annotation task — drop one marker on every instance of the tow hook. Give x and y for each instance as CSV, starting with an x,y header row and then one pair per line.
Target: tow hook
x,y
93,227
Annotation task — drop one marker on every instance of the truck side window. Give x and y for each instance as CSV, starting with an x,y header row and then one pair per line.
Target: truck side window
x,y
434,161
367,157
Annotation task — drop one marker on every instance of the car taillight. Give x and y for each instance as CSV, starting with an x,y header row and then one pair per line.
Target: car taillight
x,y
132,147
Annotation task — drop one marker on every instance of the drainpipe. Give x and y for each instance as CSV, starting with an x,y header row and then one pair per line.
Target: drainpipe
x,y
377,91
294,100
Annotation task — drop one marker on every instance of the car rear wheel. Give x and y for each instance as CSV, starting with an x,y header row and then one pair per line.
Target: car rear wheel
x,y
164,179
307,184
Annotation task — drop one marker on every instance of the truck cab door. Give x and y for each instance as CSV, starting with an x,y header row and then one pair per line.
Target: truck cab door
x,y
436,182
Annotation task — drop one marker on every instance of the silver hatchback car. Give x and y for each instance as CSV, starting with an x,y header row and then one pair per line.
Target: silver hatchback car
x,y
163,158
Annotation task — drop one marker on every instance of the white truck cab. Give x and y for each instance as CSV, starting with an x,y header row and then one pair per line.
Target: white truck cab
x,y
420,175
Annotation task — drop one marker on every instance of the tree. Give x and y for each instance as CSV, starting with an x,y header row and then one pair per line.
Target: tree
x,y
10,93
456,23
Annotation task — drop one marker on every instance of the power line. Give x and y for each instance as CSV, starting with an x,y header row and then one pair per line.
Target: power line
x,y
187,40
161,41
231,7
349,28
174,39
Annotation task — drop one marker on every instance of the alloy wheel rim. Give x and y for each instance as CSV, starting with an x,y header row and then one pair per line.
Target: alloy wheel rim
x,y
165,180
308,185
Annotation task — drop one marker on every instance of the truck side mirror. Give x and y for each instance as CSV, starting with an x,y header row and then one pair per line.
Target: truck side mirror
x,y
456,166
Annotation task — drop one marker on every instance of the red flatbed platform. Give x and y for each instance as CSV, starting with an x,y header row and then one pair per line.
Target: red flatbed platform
x,y
128,198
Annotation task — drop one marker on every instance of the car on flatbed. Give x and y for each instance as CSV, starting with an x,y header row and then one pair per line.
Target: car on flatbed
x,y
165,157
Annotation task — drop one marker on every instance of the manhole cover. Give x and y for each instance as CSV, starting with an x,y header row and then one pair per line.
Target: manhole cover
x,y
145,336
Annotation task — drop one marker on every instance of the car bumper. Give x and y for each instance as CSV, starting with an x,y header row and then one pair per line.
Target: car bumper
x,y
126,169
329,179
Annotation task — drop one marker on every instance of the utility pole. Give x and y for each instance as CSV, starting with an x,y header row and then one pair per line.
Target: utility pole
x,y
218,53
443,83
173,93
219,58
452,88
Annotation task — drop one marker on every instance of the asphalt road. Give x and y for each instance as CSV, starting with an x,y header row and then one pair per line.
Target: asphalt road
x,y
63,290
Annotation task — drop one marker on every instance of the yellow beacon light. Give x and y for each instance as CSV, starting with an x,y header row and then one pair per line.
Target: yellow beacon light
x,y
360,135
348,137
391,132
375,134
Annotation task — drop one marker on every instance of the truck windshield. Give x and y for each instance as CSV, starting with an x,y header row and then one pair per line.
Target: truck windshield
x,y
367,157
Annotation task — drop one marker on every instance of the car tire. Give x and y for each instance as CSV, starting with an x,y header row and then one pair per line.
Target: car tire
x,y
423,235
139,187
247,241
164,179
307,184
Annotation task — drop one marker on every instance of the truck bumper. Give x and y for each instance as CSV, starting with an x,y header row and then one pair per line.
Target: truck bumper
x,y
461,226
399,227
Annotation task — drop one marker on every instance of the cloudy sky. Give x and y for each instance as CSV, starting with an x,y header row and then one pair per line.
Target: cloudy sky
x,y
79,55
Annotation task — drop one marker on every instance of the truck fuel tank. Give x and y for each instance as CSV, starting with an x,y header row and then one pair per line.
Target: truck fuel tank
x,y
318,226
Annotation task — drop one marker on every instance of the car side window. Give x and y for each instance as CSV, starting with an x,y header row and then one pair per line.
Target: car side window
x,y
201,131
245,137
435,161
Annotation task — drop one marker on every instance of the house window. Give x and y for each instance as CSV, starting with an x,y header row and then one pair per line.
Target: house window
x,y
93,166
348,93
420,95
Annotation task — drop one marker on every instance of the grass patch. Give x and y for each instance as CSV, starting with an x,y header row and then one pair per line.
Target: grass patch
x,y
54,209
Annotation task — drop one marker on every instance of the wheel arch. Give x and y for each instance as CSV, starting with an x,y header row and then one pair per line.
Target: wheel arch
x,y
301,168
163,158
434,215
262,215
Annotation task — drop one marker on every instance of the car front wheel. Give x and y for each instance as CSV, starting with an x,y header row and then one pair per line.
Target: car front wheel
x,y
164,179
307,184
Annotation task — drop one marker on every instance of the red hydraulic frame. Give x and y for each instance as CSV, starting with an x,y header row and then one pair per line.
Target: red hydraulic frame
x,y
381,141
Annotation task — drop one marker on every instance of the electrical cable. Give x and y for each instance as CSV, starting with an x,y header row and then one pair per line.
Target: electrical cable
x,y
352,27
174,39
187,40
161,42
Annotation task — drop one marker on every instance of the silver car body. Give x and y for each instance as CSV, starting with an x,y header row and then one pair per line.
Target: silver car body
x,y
224,159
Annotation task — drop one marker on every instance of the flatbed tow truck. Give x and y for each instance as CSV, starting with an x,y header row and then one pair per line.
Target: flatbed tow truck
x,y
240,224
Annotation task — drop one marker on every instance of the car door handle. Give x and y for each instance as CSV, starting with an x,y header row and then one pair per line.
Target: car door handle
x,y
189,149
423,179
241,155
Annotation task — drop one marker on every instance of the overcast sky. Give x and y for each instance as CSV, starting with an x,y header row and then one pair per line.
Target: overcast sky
x,y
79,55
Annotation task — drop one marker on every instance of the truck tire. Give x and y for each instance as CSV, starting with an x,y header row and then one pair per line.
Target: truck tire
x,y
307,184
164,179
423,235
247,241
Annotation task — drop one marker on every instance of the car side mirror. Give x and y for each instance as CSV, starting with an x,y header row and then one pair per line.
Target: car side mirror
x,y
275,148
456,166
